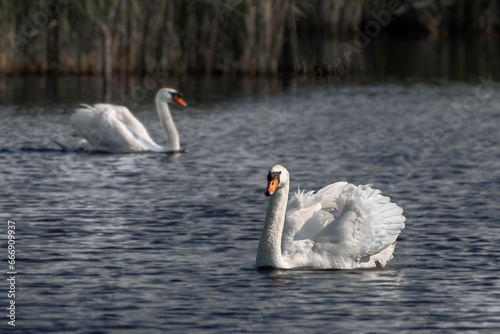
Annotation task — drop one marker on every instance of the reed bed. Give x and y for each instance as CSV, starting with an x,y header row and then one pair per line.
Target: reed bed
x,y
213,36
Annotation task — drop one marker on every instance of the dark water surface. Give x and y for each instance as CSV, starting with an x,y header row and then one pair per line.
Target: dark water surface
x,y
149,243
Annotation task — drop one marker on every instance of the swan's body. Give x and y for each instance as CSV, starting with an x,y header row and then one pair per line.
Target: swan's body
x,y
305,234
112,128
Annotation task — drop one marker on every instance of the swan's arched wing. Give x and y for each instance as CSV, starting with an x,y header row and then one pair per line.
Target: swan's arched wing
x,y
133,125
307,215
101,127
340,220
307,212
365,224
136,128
111,128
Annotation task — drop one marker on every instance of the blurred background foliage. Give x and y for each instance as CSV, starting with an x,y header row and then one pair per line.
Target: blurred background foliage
x,y
105,37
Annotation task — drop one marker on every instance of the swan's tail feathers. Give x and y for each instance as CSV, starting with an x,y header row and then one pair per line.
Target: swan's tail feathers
x,y
379,259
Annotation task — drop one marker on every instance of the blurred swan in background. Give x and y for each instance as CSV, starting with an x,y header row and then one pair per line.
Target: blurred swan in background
x,y
306,235
112,128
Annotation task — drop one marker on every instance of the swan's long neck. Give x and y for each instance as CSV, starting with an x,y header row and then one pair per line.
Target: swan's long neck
x,y
168,126
269,251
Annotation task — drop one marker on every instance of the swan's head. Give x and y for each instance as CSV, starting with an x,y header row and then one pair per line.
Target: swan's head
x,y
277,177
168,95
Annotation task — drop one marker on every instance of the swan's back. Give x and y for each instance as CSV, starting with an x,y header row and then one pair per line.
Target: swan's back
x,y
111,128
341,226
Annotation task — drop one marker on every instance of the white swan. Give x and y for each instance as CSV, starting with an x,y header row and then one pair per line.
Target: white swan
x,y
112,128
306,234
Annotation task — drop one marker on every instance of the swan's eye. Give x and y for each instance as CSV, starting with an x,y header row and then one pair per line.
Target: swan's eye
x,y
272,175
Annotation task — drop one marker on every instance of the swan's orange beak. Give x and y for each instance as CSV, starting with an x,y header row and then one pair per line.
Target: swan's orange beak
x,y
271,186
179,100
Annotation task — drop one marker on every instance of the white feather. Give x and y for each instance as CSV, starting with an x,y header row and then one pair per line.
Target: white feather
x,y
341,226
112,128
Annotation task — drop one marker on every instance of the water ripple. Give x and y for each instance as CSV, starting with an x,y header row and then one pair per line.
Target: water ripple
x,y
145,243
